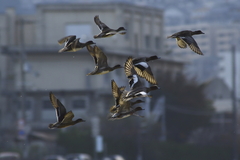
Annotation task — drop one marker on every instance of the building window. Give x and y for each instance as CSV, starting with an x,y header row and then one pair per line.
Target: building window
x,y
46,104
147,41
28,104
82,31
79,103
157,42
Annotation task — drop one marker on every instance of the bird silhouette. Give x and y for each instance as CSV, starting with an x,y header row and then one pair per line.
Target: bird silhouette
x,y
72,44
100,60
105,30
184,39
64,119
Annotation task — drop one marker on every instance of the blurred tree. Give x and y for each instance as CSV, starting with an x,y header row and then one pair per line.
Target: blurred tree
x,y
76,140
121,136
186,106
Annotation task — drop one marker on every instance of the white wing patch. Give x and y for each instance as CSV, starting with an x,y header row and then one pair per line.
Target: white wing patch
x,y
135,80
144,64
142,93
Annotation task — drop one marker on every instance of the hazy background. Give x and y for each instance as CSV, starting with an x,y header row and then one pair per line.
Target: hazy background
x,y
193,116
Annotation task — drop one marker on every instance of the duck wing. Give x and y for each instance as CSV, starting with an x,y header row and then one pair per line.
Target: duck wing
x,y
102,26
128,67
101,57
115,90
192,44
68,117
144,71
59,107
181,43
92,53
77,45
67,40
118,94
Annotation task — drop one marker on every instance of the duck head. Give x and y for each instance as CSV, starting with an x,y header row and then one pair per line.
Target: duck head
x,y
89,43
121,30
138,109
198,32
117,66
79,120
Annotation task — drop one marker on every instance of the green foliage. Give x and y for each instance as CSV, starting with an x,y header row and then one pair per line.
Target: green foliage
x,y
121,136
76,140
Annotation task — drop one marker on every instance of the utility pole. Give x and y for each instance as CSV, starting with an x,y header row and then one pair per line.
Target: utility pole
x,y
234,106
22,63
163,137
22,121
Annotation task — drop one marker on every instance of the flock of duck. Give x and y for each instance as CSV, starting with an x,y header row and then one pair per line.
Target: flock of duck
x,y
133,67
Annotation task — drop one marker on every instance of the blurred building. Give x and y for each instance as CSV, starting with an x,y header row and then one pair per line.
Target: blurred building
x,y
34,67
218,91
225,67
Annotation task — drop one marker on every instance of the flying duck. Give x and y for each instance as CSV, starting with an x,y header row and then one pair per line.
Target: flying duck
x,y
121,115
137,89
64,119
100,60
105,30
72,44
143,69
184,39
120,105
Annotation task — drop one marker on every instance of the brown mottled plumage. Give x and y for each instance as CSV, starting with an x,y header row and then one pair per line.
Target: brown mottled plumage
x,y
143,69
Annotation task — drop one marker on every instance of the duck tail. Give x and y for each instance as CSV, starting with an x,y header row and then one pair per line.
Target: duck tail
x,y
89,43
117,66
152,58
